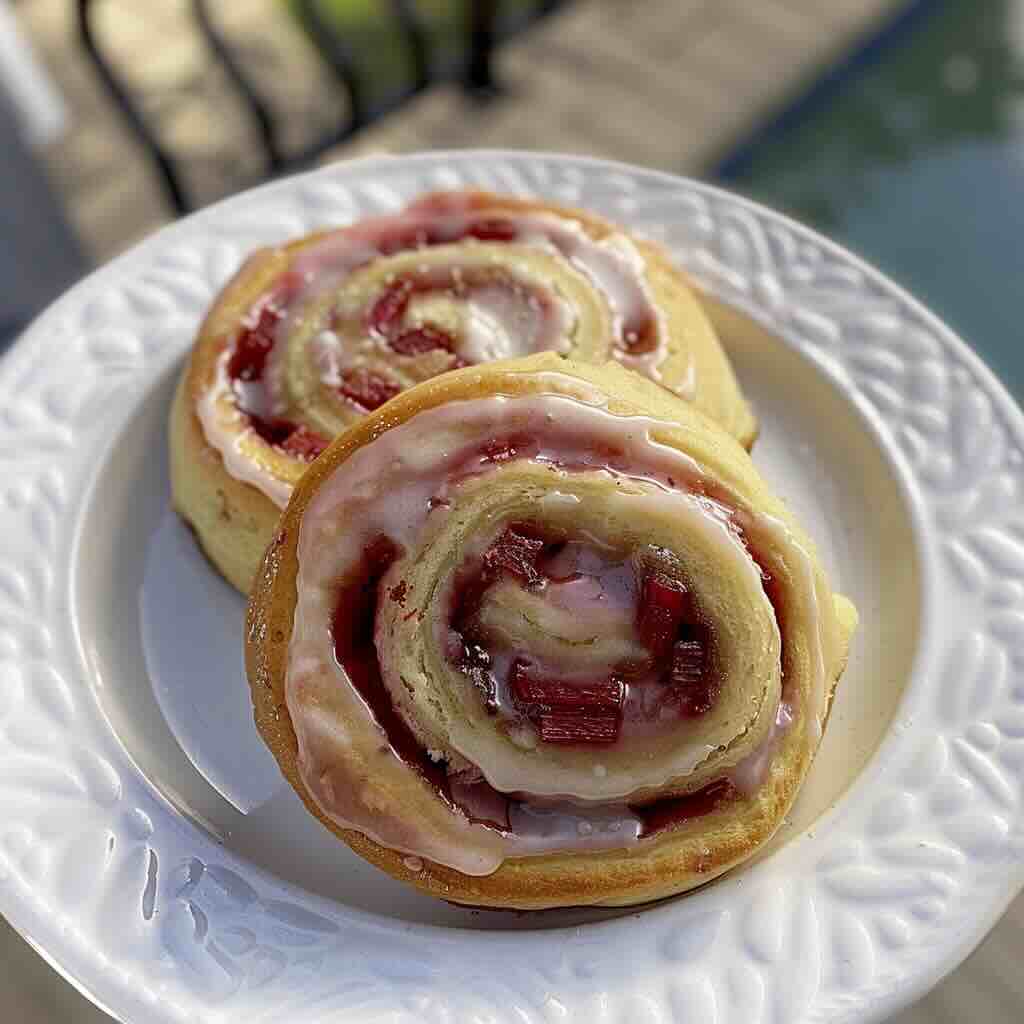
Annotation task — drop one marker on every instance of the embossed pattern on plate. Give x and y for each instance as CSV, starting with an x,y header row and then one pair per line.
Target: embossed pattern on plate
x,y
148,913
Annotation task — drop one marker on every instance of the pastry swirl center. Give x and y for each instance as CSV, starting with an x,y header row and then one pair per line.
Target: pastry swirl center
x,y
572,641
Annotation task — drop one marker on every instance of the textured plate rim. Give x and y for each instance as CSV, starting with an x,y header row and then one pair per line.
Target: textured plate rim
x,y
786,276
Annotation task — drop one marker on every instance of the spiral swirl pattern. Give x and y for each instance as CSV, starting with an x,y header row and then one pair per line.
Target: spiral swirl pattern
x,y
311,337
542,616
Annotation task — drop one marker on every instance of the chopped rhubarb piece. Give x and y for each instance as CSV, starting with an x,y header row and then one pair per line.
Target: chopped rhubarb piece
x,y
254,342
418,340
281,433
390,305
571,727
567,712
692,688
253,345
304,443
397,593
367,388
515,553
688,663
604,697
273,431
665,605
699,699
492,229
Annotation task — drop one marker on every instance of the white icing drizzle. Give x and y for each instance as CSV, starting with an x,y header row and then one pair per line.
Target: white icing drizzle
x,y
750,773
503,324
614,266
616,269
344,759
772,534
540,828
603,263
508,772
225,428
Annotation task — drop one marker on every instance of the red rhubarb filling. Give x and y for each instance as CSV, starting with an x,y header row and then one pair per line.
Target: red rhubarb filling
x,y
563,712
247,365
386,318
352,625
648,618
670,676
447,221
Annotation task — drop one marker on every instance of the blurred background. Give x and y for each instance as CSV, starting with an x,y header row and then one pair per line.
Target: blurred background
x,y
894,126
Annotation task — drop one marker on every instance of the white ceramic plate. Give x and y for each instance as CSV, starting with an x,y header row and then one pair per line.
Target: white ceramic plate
x,y
147,845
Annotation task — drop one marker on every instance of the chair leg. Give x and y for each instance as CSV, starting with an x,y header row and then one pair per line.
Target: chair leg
x,y
165,165
479,78
416,37
260,112
338,58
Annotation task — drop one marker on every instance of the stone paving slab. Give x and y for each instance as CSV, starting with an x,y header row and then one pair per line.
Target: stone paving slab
x,y
670,85
667,83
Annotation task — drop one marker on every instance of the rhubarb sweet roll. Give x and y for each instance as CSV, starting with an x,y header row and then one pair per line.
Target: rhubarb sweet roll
x,y
310,337
537,634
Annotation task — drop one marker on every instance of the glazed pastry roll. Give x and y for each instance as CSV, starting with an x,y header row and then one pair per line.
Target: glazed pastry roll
x,y
537,634
310,337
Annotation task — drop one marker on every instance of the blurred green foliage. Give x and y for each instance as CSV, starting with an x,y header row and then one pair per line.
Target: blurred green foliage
x,y
960,77
372,34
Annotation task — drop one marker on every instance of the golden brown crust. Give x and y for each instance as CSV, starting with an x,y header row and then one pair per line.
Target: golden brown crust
x,y
234,521
679,859
231,519
718,394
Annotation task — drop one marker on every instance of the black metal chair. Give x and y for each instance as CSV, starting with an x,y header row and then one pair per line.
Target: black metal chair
x,y
484,30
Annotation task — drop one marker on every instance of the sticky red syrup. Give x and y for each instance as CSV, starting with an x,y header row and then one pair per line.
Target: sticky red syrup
x,y
248,362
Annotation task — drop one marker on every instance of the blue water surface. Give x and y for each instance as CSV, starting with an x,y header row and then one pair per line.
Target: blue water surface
x,y
915,160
